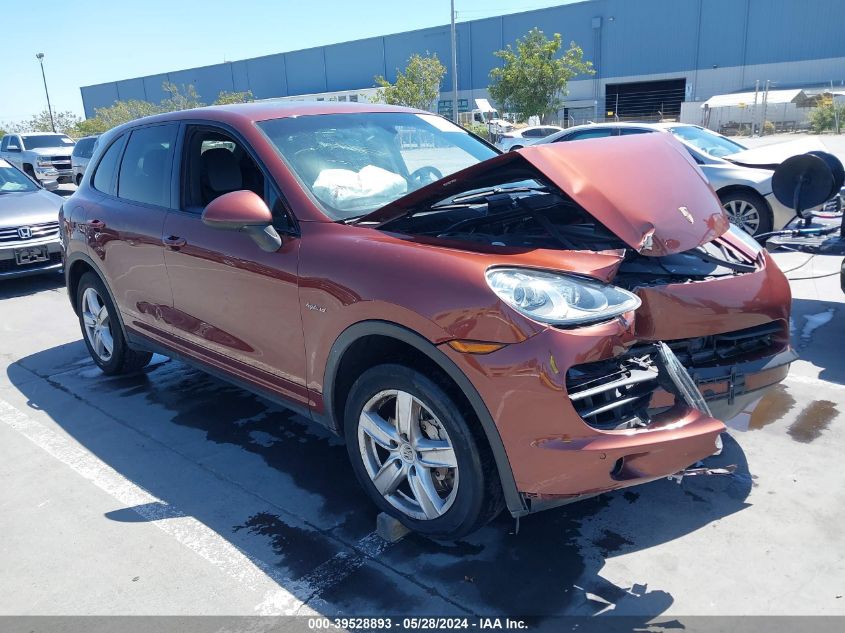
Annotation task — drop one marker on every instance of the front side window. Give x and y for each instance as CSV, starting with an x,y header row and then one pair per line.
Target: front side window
x,y
707,141
39,141
356,163
13,181
145,169
215,164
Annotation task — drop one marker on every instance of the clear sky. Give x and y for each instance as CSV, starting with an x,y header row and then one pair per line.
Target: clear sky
x,y
93,41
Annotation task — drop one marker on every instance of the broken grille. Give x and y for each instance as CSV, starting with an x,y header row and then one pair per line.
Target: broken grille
x,y
613,394
706,350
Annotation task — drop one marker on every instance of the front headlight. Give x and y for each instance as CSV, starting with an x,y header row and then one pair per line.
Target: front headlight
x,y
559,298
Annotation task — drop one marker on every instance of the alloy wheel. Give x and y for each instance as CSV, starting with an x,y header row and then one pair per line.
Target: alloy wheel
x,y
408,454
97,322
743,214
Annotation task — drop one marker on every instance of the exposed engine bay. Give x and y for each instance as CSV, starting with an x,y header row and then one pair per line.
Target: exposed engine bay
x,y
533,215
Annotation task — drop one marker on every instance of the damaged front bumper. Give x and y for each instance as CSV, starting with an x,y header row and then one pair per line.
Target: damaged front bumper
x,y
581,411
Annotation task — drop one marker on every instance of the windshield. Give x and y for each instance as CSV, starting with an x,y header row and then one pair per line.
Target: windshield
x,y
12,180
356,163
707,141
39,141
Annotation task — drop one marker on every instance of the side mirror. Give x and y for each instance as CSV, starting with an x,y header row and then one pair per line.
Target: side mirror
x,y
50,185
246,212
807,180
12,148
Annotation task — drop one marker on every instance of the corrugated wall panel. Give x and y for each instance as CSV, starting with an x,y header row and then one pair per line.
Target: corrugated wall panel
x,y
354,64
153,89
99,96
240,76
486,36
638,37
209,81
267,76
727,18
399,48
648,34
131,89
306,71
790,30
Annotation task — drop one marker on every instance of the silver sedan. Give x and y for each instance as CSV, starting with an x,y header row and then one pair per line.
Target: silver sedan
x,y
29,225
742,178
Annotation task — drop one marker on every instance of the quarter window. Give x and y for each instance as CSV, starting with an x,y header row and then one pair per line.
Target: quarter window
x,y
145,168
106,168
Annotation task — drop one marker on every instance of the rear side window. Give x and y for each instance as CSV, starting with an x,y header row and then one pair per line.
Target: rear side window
x,y
145,168
106,168
627,131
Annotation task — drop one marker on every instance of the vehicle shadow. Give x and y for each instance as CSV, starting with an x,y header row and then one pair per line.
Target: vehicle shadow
x,y
818,328
22,286
281,491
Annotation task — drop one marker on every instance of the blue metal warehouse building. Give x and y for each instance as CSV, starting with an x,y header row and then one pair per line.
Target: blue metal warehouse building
x,y
649,55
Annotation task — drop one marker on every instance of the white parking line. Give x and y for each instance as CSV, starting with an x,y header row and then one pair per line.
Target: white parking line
x,y
253,574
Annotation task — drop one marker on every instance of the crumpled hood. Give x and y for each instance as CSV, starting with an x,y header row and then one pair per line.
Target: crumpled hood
x,y
645,188
770,156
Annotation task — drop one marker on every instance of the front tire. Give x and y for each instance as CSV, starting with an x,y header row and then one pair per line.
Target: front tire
x,y
748,211
418,455
101,329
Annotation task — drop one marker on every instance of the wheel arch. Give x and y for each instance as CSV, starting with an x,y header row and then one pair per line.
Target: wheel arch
x,y
370,343
737,188
76,267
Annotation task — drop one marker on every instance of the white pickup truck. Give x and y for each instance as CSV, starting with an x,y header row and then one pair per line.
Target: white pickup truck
x,y
41,155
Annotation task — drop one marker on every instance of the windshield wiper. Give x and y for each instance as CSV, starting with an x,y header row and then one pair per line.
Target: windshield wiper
x,y
477,196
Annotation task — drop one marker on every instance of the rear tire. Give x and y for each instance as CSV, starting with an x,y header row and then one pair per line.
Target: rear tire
x,y
101,329
439,478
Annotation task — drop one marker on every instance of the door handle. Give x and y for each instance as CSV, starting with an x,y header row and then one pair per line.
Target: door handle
x,y
174,241
97,224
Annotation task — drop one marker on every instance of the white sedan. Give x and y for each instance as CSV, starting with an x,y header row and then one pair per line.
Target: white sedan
x,y
525,136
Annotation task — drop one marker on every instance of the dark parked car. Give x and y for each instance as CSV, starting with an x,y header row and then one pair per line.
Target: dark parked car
x,y
485,330
82,152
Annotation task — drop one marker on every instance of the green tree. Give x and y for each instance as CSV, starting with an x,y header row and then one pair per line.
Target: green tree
x,y
225,97
121,112
417,87
823,116
66,123
532,80
181,97
2,132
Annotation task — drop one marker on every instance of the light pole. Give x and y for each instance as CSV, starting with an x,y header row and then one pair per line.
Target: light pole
x,y
40,58
454,68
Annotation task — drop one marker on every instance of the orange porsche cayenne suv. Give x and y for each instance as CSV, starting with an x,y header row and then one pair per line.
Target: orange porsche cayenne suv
x,y
485,330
